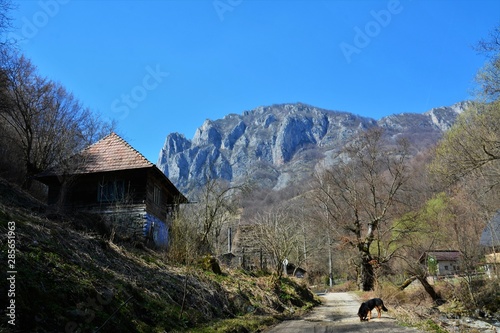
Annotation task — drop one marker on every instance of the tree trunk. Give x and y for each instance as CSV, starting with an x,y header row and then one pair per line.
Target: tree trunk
x,y
28,178
366,279
203,247
436,297
407,282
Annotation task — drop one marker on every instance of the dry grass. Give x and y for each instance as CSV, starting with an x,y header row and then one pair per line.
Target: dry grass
x,y
71,275
411,307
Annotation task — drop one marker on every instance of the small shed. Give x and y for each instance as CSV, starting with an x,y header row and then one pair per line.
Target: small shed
x,y
114,180
442,262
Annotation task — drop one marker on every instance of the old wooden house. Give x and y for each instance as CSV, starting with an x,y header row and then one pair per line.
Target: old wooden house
x,y
114,180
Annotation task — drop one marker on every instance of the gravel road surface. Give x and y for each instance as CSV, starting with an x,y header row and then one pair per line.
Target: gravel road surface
x,y
338,313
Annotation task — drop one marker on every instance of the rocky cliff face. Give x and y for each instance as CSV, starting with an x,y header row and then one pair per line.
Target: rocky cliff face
x,y
279,144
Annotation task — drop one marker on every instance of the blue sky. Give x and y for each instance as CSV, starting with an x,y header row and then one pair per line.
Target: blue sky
x,y
165,66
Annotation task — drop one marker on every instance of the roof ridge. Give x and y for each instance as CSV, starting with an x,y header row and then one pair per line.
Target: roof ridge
x,y
95,143
122,140
130,146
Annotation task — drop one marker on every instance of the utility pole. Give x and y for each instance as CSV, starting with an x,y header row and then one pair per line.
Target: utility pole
x,y
330,268
330,265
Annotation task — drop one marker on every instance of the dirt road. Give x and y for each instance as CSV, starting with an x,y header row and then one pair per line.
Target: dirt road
x,y
338,313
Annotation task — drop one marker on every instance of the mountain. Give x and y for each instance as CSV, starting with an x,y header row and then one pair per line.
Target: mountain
x,y
277,145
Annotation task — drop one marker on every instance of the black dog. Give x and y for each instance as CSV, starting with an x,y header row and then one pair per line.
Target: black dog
x,y
365,310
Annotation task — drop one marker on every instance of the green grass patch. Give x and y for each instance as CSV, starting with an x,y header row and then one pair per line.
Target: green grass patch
x,y
247,323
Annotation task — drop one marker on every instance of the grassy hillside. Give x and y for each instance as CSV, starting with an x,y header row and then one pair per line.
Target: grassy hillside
x,y
71,278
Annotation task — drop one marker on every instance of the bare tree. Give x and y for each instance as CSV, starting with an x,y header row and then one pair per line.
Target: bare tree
x,y
418,233
47,121
216,206
183,244
472,146
465,229
329,236
444,222
361,196
277,232
488,77
5,22
310,238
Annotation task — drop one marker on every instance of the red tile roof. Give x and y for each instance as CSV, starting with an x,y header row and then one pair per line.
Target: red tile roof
x,y
111,153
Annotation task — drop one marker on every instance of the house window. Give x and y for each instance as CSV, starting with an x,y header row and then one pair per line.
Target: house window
x,y
446,267
156,195
111,191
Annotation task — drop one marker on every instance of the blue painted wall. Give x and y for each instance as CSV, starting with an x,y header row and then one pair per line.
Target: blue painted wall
x,y
157,229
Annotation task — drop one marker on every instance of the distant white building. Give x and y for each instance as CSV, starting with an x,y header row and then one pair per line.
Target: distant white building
x,y
442,263
490,239
492,266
